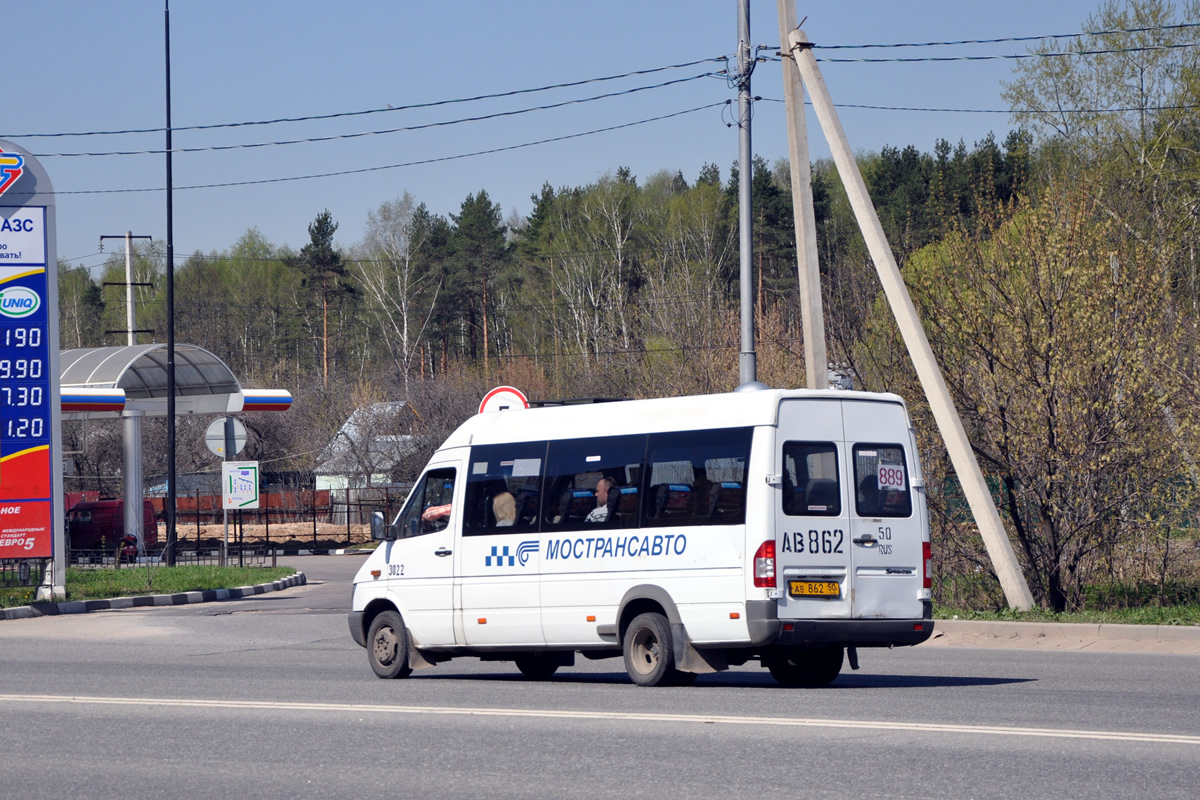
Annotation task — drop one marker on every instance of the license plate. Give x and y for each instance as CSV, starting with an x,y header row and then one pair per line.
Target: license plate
x,y
814,588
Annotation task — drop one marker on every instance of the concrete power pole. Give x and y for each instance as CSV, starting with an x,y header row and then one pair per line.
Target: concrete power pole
x,y
1008,570
747,368
812,312
131,421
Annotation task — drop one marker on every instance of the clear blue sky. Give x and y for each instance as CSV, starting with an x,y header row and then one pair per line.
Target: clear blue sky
x,y
75,66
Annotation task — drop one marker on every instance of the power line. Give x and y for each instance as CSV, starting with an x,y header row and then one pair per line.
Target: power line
x,y
340,114
1008,56
1118,110
408,128
1007,39
633,73
415,163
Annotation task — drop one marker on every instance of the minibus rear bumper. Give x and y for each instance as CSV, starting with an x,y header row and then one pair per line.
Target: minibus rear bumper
x,y
766,628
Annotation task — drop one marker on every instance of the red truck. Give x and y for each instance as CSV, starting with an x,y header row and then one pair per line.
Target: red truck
x,y
100,524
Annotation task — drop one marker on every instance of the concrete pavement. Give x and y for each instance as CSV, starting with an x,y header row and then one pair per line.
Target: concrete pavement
x,y
1178,639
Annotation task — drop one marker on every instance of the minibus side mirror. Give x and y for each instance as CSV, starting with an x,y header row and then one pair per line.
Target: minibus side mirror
x,y
380,530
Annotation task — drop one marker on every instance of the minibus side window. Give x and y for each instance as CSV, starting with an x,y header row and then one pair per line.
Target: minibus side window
x,y
593,483
881,481
504,485
429,508
697,477
810,480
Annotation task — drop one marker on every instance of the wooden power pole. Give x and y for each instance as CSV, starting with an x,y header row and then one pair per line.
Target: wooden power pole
x,y
798,50
812,314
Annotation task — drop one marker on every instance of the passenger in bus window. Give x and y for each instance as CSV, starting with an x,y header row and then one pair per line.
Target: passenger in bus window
x,y
504,506
868,496
601,511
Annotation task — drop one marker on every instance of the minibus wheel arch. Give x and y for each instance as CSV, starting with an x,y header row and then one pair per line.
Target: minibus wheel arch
x,y
374,609
641,600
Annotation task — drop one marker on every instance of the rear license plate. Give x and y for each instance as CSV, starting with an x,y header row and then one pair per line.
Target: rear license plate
x,y
814,589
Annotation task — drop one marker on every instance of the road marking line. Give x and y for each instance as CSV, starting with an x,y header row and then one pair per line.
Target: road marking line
x,y
619,716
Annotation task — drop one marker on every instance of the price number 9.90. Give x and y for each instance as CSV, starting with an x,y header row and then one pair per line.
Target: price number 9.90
x,y
20,369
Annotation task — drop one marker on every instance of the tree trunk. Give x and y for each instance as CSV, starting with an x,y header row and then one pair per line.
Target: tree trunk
x,y
485,326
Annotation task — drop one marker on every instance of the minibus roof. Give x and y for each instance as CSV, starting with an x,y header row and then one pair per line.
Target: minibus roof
x,y
692,412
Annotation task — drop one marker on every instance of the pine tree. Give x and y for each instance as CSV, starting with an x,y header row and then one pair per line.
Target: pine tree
x,y
324,267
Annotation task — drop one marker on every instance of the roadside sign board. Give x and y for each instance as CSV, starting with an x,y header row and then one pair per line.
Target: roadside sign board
x,y
239,485
214,437
30,481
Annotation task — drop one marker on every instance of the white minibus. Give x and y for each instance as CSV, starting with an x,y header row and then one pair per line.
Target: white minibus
x,y
687,534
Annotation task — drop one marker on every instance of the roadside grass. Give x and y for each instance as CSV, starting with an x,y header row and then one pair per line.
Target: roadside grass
x,y
1144,615
101,584
1175,601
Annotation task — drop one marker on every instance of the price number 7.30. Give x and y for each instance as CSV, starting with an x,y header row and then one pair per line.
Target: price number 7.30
x,y
22,396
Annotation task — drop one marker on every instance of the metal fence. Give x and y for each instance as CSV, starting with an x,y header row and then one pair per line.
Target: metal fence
x,y
16,572
330,517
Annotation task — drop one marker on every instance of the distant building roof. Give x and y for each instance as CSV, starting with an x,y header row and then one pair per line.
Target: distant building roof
x,y
369,442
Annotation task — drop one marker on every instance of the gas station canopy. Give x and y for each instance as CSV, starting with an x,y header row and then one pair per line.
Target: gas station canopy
x,y
102,382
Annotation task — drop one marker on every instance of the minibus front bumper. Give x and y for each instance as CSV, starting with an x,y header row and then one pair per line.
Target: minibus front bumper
x,y
767,628
355,618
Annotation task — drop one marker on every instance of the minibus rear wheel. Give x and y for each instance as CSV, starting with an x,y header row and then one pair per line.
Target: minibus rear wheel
x,y
808,669
387,646
650,653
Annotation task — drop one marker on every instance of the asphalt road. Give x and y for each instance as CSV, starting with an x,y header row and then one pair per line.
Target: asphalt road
x,y
269,697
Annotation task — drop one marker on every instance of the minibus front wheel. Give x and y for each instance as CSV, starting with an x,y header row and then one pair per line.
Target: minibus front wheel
x,y
387,646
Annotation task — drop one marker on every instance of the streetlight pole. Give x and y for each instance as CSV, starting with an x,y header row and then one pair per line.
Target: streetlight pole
x,y
171,488
747,368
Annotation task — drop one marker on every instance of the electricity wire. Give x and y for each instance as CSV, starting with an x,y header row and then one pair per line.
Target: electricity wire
x,y
405,129
1002,56
1008,39
1118,110
418,162
341,114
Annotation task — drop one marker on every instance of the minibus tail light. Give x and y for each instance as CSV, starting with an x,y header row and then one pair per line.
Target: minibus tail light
x,y
927,557
764,565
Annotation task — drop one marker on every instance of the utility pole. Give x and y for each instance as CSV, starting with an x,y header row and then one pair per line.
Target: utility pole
x,y
171,489
812,312
131,449
131,329
995,538
747,368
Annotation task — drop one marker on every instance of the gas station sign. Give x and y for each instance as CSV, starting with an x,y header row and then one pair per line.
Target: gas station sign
x,y
29,413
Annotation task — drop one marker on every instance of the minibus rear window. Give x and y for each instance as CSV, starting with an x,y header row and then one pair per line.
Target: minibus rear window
x,y
881,481
811,487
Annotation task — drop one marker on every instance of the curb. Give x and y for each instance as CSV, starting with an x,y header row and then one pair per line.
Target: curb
x,y
1071,630
181,599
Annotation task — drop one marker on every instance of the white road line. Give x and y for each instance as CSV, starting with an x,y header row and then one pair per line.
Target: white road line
x,y
616,716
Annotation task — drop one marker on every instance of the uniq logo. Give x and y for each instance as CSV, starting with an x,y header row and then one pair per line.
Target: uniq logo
x,y
12,167
19,302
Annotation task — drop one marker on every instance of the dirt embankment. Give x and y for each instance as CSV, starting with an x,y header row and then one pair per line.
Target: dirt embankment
x,y
322,535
